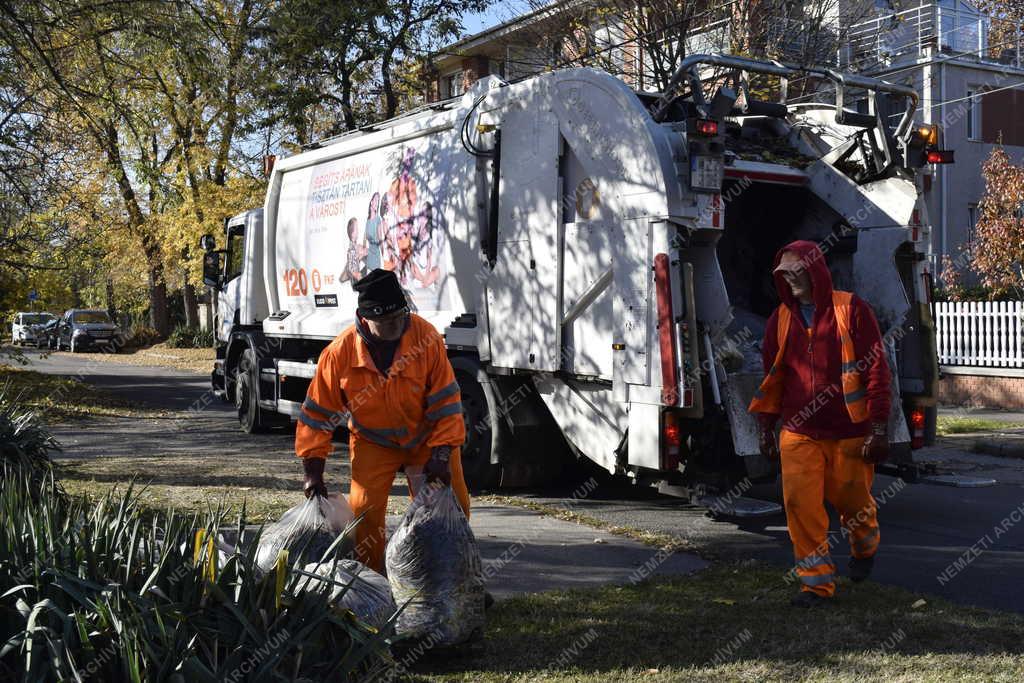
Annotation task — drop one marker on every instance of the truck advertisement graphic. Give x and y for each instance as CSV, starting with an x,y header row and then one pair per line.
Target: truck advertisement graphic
x,y
359,213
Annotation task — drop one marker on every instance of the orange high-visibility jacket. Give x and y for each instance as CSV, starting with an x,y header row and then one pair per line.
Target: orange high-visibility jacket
x,y
417,404
768,397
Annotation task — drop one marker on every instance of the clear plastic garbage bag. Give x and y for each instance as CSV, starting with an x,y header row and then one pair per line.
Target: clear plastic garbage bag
x,y
433,564
355,587
308,529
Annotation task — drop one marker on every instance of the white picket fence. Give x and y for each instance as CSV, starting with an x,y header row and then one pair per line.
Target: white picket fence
x,y
980,333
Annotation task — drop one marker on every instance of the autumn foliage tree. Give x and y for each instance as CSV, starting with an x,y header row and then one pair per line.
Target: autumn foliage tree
x,y
998,251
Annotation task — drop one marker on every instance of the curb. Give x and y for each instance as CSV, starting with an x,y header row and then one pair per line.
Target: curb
x,y
986,443
1011,449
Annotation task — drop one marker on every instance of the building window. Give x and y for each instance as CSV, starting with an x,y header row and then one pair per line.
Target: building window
x,y
973,103
452,85
972,222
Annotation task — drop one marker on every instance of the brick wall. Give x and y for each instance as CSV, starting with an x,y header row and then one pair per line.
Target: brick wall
x,y
982,391
473,69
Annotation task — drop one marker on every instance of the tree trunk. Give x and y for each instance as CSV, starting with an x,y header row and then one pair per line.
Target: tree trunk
x,y
111,311
159,314
188,295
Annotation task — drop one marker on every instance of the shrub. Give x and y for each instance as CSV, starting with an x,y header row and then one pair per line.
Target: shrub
x,y
104,590
99,588
190,338
25,445
139,336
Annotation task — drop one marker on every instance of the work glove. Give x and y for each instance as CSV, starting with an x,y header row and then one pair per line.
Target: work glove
x,y
769,444
437,468
876,446
767,441
313,483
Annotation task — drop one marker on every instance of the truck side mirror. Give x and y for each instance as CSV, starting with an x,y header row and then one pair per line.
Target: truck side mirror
x,y
211,269
207,243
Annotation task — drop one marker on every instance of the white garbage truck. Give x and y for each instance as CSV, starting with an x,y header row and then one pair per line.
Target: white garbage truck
x,y
598,260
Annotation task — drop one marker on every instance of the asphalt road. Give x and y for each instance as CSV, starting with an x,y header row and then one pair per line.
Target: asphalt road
x,y
965,544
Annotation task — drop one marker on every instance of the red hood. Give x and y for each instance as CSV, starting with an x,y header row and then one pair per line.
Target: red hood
x,y
814,261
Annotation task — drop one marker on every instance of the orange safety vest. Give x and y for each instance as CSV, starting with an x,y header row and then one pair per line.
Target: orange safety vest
x,y
768,397
417,404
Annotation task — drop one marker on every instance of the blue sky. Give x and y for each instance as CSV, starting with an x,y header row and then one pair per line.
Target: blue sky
x,y
496,14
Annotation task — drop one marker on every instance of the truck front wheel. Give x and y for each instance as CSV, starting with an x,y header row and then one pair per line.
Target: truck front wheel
x,y
251,417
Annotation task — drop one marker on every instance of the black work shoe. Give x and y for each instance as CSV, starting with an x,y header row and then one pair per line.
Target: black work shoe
x,y
807,600
860,568
488,599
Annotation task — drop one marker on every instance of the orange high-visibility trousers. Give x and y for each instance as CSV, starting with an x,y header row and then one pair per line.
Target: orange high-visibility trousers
x,y
373,472
814,471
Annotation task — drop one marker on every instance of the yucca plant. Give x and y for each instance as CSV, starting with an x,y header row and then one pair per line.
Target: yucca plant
x,y
25,444
105,590
99,590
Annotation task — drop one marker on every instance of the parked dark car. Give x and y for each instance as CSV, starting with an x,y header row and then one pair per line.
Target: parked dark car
x,y
46,334
81,329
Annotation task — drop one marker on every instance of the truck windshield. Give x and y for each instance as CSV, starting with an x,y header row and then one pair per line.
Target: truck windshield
x,y
91,317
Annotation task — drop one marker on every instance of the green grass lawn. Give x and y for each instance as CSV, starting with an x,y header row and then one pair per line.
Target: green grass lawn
x,y
945,426
734,623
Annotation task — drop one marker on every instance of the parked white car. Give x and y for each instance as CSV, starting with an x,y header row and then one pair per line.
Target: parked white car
x,y
25,326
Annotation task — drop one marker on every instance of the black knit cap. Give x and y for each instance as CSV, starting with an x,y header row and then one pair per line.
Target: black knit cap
x,y
379,294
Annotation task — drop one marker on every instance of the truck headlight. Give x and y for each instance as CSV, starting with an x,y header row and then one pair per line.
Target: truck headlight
x,y
78,332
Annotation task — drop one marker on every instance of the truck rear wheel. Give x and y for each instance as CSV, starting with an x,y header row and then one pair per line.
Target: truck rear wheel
x,y
479,472
252,418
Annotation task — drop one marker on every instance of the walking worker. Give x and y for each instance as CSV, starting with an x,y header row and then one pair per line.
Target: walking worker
x,y
826,376
388,376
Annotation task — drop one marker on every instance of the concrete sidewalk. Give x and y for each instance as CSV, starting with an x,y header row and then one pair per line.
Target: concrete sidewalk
x,y
1008,442
525,552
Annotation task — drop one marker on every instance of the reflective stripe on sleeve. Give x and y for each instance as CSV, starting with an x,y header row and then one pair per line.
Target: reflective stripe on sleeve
x,y
310,404
443,393
315,424
444,411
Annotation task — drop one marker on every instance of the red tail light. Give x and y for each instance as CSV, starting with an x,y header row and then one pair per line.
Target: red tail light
x,y
673,437
707,127
940,156
917,428
671,440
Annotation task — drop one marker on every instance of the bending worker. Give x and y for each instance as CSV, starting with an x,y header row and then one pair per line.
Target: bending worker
x,y
389,377
826,376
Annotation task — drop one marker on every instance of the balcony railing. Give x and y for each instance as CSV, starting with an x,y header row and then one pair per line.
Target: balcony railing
x,y
899,37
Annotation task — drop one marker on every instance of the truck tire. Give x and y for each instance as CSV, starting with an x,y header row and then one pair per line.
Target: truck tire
x,y
252,418
481,427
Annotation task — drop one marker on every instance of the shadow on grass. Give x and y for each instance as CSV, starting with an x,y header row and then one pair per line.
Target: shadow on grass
x,y
726,616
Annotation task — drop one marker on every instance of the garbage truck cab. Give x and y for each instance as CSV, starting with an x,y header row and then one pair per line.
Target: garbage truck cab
x,y
597,259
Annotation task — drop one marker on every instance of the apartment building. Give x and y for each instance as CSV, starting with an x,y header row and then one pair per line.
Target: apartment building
x,y
969,71
967,67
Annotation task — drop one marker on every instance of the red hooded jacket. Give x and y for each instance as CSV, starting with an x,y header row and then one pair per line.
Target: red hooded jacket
x,y
812,402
